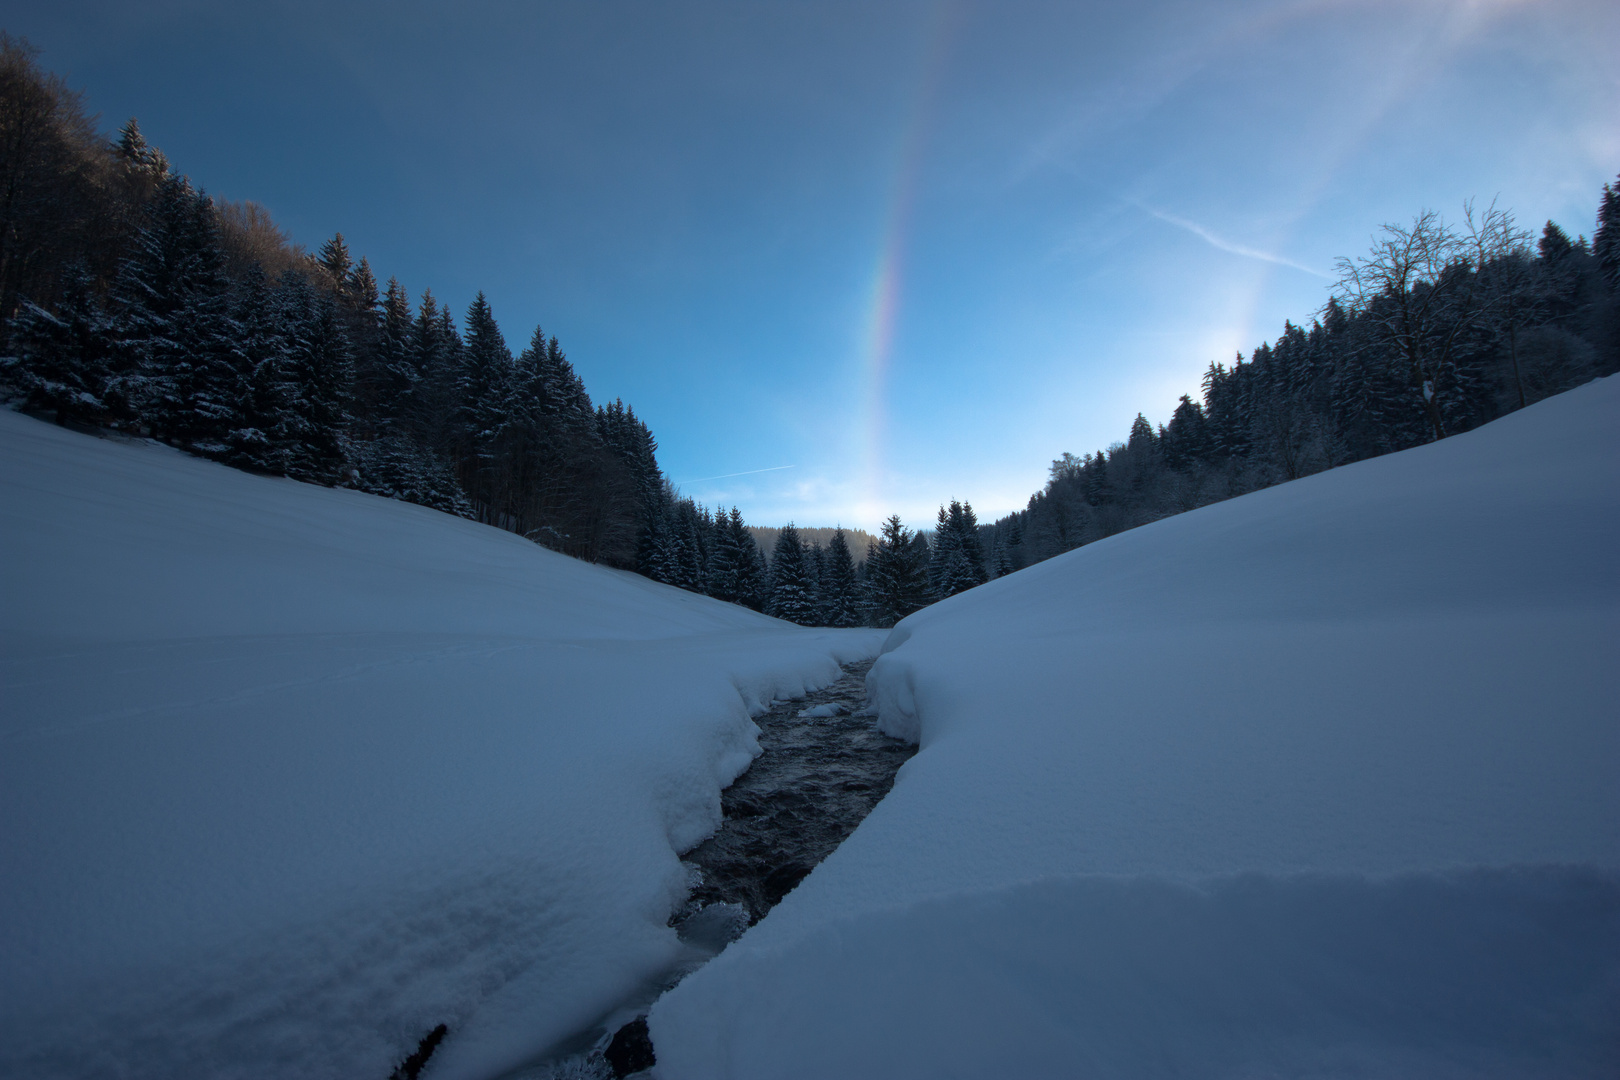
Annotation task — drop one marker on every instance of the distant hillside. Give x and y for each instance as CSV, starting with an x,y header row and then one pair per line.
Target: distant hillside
x,y
857,539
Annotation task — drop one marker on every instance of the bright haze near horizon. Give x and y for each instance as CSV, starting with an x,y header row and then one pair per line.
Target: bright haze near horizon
x,y
850,259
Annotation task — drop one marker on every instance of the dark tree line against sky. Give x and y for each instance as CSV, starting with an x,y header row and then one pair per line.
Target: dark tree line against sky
x,y
1436,330
130,300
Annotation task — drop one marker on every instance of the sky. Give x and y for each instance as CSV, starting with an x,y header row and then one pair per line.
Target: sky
x,y
855,259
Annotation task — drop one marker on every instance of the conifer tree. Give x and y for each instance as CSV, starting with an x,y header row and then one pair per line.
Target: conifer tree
x,y
62,362
1606,240
896,575
267,392
814,567
308,436
391,377
792,587
140,157
945,554
733,565
483,402
759,578
633,442
1002,560
1142,439
172,344
966,525
692,548
433,351
358,306
335,264
361,287
840,598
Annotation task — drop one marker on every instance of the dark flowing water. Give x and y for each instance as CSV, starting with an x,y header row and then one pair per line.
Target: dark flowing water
x,y
816,778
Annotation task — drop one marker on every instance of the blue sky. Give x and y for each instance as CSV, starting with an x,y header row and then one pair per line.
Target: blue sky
x,y
871,256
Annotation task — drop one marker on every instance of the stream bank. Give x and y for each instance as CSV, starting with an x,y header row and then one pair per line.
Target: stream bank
x,y
823,766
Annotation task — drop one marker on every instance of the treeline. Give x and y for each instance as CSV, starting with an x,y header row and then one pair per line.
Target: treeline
x,y
131,300
1436,330
857,539
814,584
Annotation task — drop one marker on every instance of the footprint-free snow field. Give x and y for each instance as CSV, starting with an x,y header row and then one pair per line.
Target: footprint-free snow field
x,y
290,776
1323,781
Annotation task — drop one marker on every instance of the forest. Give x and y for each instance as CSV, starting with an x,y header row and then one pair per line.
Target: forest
x,y
1437,329
132,301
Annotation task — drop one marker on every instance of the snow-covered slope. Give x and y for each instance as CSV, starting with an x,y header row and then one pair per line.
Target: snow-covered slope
x,y
289,776
1321,781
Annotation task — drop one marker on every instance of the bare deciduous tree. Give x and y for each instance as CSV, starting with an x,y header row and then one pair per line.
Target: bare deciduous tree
x,y
1425,287
56,206
1397,288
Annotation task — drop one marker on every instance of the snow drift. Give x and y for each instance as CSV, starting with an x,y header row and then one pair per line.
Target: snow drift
x,y
292,775
1321,781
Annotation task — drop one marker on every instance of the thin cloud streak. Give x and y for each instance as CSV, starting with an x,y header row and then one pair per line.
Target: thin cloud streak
x,y
729,475
1225,245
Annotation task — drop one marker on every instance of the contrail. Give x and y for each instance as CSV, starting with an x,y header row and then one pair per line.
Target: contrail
x,y
1225,245
729,475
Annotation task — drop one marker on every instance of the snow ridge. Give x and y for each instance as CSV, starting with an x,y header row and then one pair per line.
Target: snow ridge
x,y
1319,781
292,775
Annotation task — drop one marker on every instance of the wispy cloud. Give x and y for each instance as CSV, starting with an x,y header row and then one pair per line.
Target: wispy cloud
x,y
1223,244
729,475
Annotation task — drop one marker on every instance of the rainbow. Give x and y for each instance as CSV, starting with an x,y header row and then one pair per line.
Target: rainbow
x,y
883,305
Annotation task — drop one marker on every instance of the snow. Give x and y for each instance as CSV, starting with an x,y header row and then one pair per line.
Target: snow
x,y
1322,781
292,775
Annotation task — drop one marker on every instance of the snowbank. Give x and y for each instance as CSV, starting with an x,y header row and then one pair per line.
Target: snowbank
x,y
1322,781
289,776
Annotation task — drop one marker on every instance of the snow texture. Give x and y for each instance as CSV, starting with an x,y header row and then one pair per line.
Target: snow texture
x,y
1323,781
291,775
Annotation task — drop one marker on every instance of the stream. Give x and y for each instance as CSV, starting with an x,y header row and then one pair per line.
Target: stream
x,y
823,766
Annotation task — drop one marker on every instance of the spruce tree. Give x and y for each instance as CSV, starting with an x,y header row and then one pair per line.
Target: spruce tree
x,y
433,350
971,569
309,429
63,363
792,587
896,575
266,393
1606,240
140,156
483,401
1002,560
361,287
733,574
1142,439
335,264
173,354
208,337
391,376
840,598
944,554
814,567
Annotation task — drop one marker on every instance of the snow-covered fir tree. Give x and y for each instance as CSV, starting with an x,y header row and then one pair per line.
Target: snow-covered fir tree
x,y
840,589
956,558
793,595
896,575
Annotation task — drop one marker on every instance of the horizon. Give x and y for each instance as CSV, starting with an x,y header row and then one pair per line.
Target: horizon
x,y
849,262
